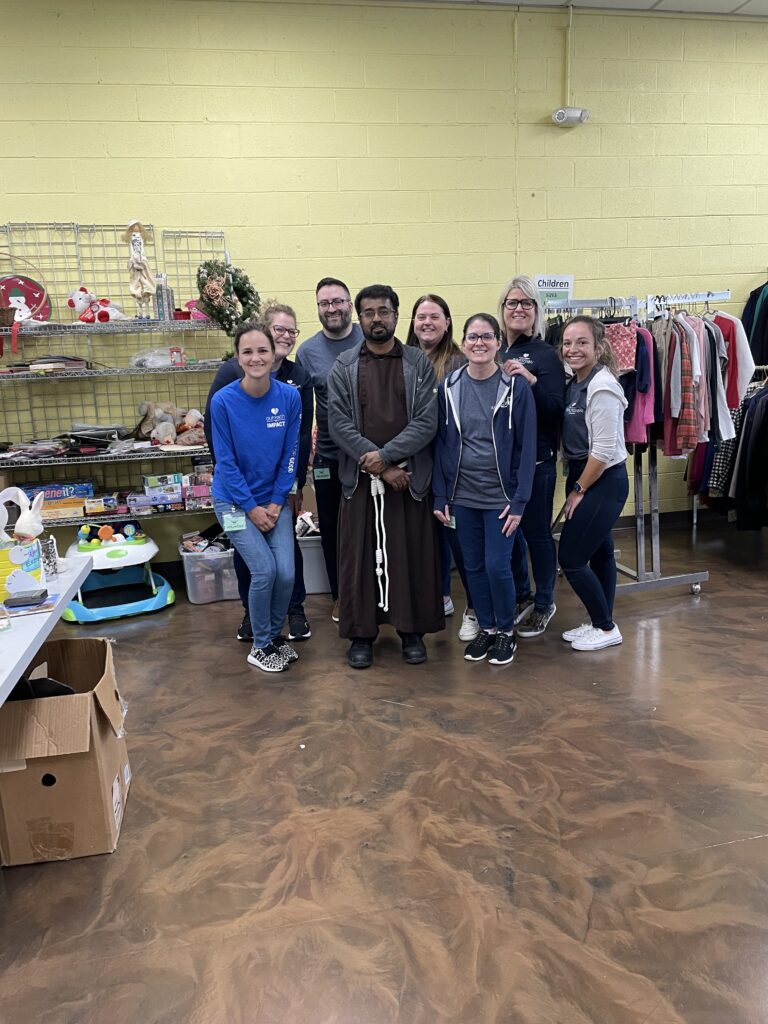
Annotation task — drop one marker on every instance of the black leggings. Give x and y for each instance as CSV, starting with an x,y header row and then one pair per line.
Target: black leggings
x,y
586,542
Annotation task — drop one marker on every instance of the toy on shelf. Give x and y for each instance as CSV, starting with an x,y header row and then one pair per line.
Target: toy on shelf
x,y
122,582
91,310
142,285
155,415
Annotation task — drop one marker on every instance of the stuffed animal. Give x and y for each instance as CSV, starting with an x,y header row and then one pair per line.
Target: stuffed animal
x,y
91,310
163,433
30,521
190,430
155,413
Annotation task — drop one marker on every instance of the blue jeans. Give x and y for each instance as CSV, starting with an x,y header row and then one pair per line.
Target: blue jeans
x,y
534,535
449,545
586,542
487,554
299,595
269,557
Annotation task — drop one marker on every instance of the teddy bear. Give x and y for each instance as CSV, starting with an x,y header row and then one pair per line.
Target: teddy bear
x,y
91,310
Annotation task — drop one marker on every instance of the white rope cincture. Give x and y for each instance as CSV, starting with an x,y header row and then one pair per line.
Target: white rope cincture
x,y
382,562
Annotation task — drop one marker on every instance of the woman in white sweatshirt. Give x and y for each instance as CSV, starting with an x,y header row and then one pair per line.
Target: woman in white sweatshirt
x,y
597,484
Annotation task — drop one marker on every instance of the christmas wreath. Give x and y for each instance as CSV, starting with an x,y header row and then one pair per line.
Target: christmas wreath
x,y
222,287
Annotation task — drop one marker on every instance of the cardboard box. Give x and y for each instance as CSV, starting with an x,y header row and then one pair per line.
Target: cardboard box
x,y
102,503
196,491
170,491
57,491
138,501
163,480
198,504
64,772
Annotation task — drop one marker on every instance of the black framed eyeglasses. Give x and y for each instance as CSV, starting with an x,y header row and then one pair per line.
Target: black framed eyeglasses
x,y
525,304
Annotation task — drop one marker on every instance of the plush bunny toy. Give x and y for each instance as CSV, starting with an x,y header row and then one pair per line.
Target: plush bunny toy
x,y
30,522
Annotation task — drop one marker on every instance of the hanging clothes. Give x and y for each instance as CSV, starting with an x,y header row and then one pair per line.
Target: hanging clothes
x,y
741,362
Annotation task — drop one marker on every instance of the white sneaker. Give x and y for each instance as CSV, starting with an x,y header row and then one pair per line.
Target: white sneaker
x,y
470,627
448,608
596,639
576,634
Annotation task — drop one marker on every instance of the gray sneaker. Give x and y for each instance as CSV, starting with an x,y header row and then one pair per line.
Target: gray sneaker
x,y
523,609
536,622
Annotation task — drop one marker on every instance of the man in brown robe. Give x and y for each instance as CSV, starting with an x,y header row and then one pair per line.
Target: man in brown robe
x,y
382,415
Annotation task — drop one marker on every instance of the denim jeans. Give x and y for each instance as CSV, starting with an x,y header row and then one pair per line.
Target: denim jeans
x,y
243,573
269,557
586,541
449,545
535,536
487,561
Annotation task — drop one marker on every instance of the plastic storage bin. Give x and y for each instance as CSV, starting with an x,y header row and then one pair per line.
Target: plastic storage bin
x,y
315,574
210,576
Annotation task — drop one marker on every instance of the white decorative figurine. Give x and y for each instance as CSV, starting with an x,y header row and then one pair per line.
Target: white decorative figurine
x,y
142,283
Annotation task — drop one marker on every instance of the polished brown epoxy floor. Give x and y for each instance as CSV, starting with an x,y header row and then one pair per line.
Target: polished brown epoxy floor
x,y
574,839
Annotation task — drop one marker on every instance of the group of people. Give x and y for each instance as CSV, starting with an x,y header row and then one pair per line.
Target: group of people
x,y
427,453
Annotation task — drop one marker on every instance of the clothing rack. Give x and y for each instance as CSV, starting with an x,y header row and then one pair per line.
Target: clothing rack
x,y
643,577
655,304
613,304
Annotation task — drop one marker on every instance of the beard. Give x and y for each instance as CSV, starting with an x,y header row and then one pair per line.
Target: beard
x,y
336,321
380,336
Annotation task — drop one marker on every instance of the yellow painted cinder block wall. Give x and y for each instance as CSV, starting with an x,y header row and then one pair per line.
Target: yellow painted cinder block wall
x,y
400,142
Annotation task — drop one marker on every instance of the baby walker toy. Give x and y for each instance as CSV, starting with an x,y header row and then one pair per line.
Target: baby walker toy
x,y
120,564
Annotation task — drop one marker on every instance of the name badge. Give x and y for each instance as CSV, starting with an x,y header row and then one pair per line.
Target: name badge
x,y
234,521
321,473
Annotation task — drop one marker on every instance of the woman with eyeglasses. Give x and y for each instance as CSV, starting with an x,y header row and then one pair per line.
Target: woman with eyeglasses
x,y
431,330
279,321
485,456
525,354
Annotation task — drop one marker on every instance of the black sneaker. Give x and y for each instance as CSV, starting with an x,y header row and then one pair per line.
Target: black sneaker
x,y
523,609
477,650
268,659
503,651
298,627
284,649
244,631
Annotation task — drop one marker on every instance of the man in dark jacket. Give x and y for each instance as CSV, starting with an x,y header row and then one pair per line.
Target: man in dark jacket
x,y
382,415
280,321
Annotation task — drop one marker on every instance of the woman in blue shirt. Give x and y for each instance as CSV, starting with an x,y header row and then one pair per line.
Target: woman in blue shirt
x,y
255,423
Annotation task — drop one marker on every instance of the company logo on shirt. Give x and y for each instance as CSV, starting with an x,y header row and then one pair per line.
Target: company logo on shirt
x,y
574,409
275,419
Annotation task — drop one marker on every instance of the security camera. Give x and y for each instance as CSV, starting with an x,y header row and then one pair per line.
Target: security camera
x,y
570,115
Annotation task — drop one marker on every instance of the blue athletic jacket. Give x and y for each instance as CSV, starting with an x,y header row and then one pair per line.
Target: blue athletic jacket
x,y
514,437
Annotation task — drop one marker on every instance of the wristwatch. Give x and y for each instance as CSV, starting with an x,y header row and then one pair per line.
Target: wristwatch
x,y
579,489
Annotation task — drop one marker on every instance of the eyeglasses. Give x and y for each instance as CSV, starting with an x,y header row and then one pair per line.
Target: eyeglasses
x,y
279,330
383,313
332,303
487,337
525,304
